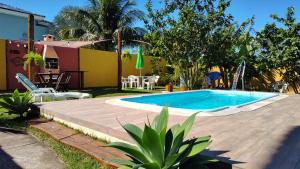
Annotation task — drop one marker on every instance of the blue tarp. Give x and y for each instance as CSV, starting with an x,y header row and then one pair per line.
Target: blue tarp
x,y
213,76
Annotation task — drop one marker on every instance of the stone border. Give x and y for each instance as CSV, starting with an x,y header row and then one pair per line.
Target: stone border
x,y
78,141
84,130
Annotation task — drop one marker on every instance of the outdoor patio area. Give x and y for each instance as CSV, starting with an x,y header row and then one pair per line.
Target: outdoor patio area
x,y
266,138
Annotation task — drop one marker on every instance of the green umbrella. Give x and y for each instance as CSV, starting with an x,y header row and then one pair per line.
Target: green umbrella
x,y
139,60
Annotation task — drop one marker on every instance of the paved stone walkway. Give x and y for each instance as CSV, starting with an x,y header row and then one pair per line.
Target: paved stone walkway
x,y
18,150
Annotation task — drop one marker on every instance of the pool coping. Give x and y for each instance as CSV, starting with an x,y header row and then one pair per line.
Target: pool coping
x,y
187,112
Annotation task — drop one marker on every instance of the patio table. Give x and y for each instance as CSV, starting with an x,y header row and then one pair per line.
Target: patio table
x,y
49,78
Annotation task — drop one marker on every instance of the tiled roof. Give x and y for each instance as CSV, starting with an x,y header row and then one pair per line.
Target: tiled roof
x,y
11,8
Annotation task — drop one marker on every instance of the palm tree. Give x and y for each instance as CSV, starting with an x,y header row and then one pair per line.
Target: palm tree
x,y
109,20
101,19
66,26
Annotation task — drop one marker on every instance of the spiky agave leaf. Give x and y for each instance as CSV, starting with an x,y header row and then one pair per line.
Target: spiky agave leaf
x,y
159,148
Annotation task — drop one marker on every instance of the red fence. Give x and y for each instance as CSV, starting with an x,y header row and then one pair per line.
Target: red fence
x,y
15,52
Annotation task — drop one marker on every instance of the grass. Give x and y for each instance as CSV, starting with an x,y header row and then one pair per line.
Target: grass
x,y
72,158
110,92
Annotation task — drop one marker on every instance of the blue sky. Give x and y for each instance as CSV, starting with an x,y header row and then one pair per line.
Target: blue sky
x,y
240,9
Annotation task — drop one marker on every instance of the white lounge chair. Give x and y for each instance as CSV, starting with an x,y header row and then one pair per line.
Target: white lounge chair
x,y
40,93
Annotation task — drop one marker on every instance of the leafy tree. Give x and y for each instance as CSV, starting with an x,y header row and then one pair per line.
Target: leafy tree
x,y
280,47
202,36
101,19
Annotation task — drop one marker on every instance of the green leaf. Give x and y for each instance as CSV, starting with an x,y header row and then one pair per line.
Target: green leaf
x,y
122,162
160,124
171,160
200,145
135,132
149,166
168,142
124,167
177,143
152,143
133,151
187,124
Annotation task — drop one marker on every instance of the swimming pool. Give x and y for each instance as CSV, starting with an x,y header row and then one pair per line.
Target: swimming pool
x,y
202,100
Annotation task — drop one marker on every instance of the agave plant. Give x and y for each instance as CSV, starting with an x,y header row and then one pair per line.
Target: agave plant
x,y
160,148
17,103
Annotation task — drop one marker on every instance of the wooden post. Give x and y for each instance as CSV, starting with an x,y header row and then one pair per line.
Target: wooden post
x,y
119,60
30,39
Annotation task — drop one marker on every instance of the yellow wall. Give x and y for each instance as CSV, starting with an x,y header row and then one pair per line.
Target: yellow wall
x,y
128,66
276,75
102,67
2,65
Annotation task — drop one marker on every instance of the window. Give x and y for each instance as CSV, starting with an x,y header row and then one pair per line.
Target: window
x,y
51,63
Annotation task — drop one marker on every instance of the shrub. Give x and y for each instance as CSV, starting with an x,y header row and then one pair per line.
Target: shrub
x,y
157,148
18,103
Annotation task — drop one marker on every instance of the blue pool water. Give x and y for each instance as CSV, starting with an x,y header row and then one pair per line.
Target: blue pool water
x,y
202,100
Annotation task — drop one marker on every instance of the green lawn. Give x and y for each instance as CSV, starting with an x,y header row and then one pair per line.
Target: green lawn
x,y
109,92
72,158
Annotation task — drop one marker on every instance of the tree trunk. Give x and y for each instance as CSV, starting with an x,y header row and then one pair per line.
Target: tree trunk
x,y
30,39
225,77
294,85
119,61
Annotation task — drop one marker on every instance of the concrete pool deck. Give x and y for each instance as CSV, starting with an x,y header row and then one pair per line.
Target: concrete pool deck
x,y
265,138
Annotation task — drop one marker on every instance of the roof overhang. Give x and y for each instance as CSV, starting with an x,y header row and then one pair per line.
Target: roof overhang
x,y
19,13
69,44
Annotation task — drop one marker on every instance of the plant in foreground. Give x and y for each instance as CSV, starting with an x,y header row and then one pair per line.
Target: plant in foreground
x,y
160,148
18,103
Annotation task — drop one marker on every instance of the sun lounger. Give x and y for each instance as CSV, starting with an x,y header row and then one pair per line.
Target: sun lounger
x,y
40,93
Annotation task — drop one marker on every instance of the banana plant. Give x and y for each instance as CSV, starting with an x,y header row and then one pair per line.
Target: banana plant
x,y
158,147
18,103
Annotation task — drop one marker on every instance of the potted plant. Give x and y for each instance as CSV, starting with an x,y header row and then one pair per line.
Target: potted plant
x,y
183,85
169,87
34,57
169,83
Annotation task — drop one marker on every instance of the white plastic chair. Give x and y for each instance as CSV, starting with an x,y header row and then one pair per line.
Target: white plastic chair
x,y
150,82
39,93
133,81
156,79
280,87
125,83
